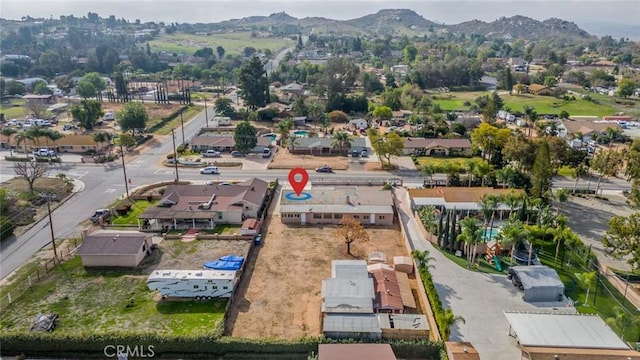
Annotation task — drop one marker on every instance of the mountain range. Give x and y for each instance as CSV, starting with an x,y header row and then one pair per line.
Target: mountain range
x,y
405,21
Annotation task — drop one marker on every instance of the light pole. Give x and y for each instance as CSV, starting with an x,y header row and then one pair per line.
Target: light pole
x,y
182,122
124,171
175,156
206,113
53,238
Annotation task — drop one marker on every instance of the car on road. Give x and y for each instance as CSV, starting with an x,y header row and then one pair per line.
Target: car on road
x,y
237,154
210,170
211,153
100,214
44,152
324,169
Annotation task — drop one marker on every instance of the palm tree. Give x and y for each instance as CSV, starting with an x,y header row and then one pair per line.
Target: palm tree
x,y
449,169
587,279
428,170
531,115
428,217
341,141
512,200
8,132
482,170
562,236
103,137
284,127
471,167
471,235
512,233
21,138
611,135
579,172
489,205
314,110
422,258
561,195
447,320
622,320
54,135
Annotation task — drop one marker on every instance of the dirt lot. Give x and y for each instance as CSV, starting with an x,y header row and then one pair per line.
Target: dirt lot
x,y
279,296
154,110
285,160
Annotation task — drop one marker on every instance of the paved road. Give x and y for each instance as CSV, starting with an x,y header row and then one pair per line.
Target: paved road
x,y
272,65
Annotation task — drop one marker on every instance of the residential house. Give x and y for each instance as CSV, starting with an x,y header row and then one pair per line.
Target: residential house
x,y
465,200
572,128
604,63
204,206
323,145
387,289
537,89
400,70
117,249
223,142
370,207
69,143
47,98
293,89
436,147
401,115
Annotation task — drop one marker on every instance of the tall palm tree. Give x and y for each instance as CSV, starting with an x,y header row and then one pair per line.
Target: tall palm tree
x,y
561,195
341,141
314,110
512,200
449,169
588,279
8,132
471,167
482,170
471,235
52,135
488,206
622,320
22,138
563,236
284,127
422,258
531,115
512,233
103,137
579,172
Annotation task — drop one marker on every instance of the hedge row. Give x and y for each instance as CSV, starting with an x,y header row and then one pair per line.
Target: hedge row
x,y
93,346
38,159
434,301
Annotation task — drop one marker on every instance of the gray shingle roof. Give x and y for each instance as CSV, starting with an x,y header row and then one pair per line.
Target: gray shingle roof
x,y
112,244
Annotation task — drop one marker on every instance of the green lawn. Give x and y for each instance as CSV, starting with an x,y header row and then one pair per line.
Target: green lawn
x,y
139,206
542,104
602,301
233,43
460,162
483,265
109,301
15,112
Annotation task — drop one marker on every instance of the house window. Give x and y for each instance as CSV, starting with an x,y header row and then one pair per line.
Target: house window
x,y
219,216
328,216
209,281
380,217
225,287
297,215
337,216
366,217
214,287
317,216
144,247
356,216
196,286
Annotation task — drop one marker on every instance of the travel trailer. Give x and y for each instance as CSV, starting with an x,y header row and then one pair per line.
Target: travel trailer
x,y
198,284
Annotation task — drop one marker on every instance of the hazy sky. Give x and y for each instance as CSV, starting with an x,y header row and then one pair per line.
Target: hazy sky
x,y
449,12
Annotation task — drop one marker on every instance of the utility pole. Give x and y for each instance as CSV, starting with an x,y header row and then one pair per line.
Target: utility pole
x,y
53,238
175,156
206,113
124,171
182,123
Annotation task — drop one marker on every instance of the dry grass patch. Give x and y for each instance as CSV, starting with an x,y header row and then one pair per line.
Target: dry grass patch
x,y
283,159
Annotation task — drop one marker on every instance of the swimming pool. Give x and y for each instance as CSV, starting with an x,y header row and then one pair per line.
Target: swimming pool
x,y
301,133
270,135
492,234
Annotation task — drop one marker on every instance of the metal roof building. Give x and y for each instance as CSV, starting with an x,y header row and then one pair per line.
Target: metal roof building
x,y
562,331
356,326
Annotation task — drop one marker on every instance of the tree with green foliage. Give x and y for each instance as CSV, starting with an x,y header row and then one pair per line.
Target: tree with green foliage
x,y
245,137
542,172
623,320
85,89
422,258
588,280
338,116
87,113
607,163
223,107
382,112
103,137
471,235
633,171
220,51
447,320
409,54
626,87
133,117
621,240
40,88
428,218
341,141
563,236
6,227
284,129
253,83
126,140
508,80
386,146
490,139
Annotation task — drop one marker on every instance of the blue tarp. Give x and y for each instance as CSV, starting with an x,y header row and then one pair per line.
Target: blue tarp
x,y
234,258
223,265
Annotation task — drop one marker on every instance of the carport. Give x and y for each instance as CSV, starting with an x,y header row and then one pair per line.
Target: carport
x,y
541,283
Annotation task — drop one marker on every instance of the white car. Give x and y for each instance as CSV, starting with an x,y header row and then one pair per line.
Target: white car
x,y
211,153
210,170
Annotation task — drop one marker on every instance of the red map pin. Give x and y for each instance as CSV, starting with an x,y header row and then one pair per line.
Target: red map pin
x,y
299,183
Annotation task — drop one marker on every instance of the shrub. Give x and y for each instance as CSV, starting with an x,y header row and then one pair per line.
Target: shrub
x,y
6,227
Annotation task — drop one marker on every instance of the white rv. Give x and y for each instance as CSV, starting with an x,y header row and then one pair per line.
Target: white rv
x,y
199,284
221,121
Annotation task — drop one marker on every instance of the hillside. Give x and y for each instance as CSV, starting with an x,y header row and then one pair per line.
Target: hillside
x,y
522,27
405,21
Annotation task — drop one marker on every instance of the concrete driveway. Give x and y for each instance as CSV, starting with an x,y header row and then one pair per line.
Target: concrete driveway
x,y
479,298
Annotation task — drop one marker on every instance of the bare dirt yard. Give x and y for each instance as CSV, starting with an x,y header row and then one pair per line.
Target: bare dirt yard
x,y
283,159
154,110
279,295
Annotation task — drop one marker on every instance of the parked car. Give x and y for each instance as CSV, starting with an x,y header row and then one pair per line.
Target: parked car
x,y
69,127
324,169
210,170
12,122
44,152
211,153
515,280
237,153
364,153
100,214
266,153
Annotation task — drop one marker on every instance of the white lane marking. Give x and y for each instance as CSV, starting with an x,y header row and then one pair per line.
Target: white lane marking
x,y
110,190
